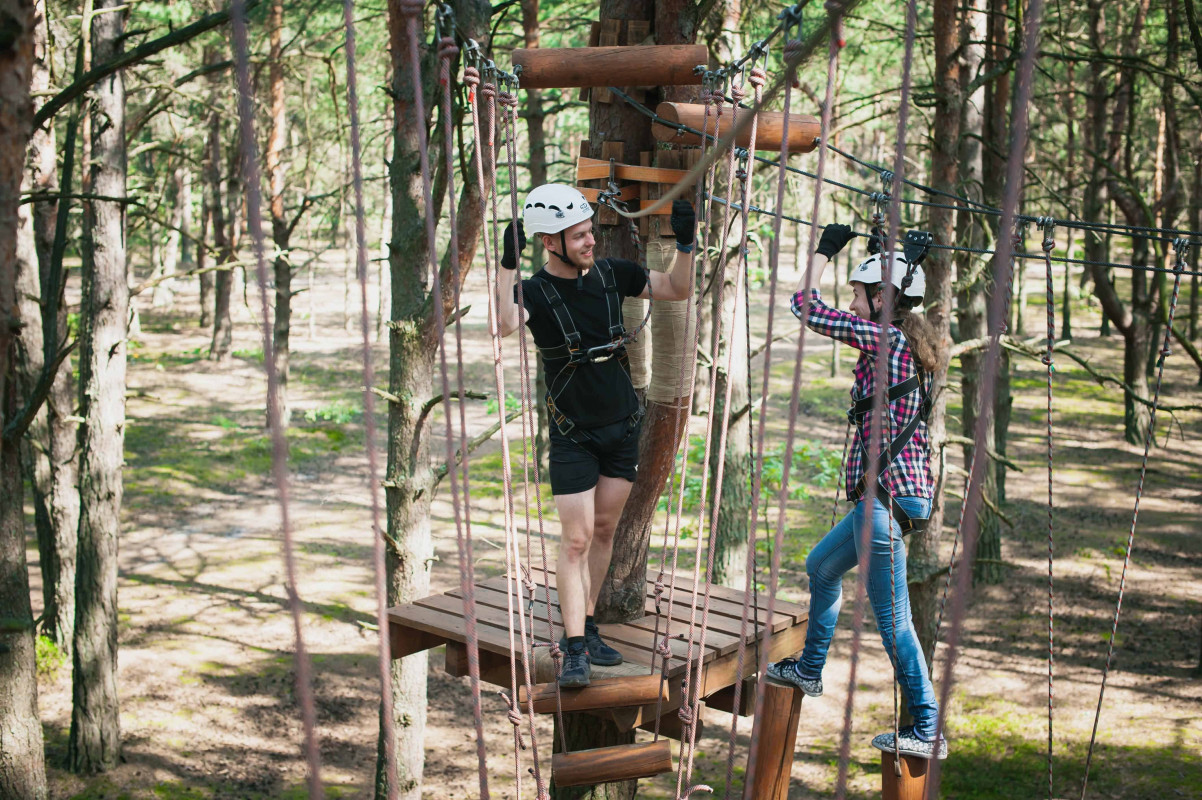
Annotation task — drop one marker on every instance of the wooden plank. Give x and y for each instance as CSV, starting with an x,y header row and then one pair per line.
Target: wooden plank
x,y
591,169
609,150
608,764
611,33
644,65
594,39
447,623
724,699
671,726
775,738
494,667
405,641
911,785
637,31
603,693
629,194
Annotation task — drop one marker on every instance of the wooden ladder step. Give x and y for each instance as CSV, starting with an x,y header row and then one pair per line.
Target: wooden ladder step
x,y
635,690
607,764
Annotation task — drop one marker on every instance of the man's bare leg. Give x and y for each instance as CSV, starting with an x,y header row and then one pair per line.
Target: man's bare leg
x,y
576,522
609,500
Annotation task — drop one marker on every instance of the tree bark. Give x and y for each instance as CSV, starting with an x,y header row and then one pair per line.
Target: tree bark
x,y
951,28
734,512
280,233
95,739
22,764
413,352
49,448
223,280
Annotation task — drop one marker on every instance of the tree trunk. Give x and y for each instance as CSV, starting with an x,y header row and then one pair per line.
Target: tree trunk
x,y
222,238
95,740
980,168
923,560
280,234
22,764
413,352
49,449
163,294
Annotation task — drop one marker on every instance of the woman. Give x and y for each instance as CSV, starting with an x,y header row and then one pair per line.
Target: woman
x,y
903,493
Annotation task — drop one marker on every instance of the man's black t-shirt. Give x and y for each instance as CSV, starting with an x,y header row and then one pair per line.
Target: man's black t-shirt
x,y
593,394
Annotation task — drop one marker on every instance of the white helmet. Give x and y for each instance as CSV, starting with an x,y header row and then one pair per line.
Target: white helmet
x,y
554,207
871,271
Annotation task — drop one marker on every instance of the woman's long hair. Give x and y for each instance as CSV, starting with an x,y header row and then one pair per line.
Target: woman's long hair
x,y
924,342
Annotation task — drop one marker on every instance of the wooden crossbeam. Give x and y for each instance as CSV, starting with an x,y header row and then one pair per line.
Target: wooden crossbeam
x,y
607,764
643,65
627,195
603,693
591,169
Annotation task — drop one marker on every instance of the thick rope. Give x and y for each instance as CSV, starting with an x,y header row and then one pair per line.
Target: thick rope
x,y
880,410
446,53
1020,127
1182,248
279,443
1049,244
369,407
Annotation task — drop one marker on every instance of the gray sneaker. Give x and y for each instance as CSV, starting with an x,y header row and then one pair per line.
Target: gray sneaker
x,y
909,744
789,671
576,670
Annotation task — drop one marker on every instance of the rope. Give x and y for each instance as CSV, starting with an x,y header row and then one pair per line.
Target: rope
x,y
1020,127
446,53
369,405
1049,244
279,444
1181,247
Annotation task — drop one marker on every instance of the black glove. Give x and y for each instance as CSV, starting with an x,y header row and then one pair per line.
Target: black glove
x,y
509,259
683,222
834,238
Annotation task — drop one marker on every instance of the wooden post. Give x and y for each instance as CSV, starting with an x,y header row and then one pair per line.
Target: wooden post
x,y
774,743
643,65
803,129
910,785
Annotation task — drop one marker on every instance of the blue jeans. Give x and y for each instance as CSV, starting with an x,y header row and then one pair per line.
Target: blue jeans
x,y
837,554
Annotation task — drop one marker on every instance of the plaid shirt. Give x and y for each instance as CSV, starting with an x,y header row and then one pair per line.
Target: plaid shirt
x,y
910,473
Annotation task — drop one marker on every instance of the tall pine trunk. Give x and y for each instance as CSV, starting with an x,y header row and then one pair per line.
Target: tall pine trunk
x,y
95,740
280,232
22,766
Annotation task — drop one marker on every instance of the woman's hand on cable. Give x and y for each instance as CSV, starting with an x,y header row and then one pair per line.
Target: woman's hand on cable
x,y
834,238
684,224
509,259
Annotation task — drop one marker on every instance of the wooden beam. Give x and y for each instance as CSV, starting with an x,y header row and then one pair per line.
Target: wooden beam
x,y
911,785
404,641
629,194
774,738
591,169
603,693
803,129
608,764
670,726
494,667
724,699
643,65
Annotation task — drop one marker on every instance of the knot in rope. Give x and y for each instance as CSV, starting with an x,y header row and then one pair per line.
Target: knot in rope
x,y
664,648
515,718
412,8
1180,247
758,77
793,49
471,76
686,716
447,48
737,92
741,174
507,99
488,90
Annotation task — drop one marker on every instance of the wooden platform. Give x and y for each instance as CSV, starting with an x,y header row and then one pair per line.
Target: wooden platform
x,y
439,619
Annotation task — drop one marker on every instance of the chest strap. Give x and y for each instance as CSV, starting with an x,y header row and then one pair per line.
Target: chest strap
x,y
571,349
858,411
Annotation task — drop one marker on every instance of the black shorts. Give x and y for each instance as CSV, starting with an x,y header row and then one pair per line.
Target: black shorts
x,y
579,458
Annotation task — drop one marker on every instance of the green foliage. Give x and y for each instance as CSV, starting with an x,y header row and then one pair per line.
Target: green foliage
x,y
252,354
512,404
50,659
339,412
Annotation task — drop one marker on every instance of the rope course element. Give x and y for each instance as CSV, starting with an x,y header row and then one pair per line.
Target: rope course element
x,y
1019,130
369,407
279,445
1181,249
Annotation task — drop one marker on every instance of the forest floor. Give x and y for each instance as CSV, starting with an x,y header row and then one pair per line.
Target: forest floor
x,y
206,671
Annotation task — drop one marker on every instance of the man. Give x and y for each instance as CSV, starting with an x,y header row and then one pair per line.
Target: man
x,y
573,307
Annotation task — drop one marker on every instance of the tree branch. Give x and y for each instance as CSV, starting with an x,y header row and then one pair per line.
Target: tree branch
x,y
20,423
441,470
128,59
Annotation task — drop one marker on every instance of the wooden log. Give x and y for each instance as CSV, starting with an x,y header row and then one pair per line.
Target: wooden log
x,y
910,785
803,129
643,65
591,169
774,740
609,764
603,693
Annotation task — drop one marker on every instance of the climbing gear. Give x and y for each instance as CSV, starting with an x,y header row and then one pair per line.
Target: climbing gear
x,y
788,670
553,208
572,350
908,743
684,223
859,410
834,238
872,269
513,231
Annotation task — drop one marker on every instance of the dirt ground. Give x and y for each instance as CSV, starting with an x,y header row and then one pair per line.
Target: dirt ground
x,y
206,641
